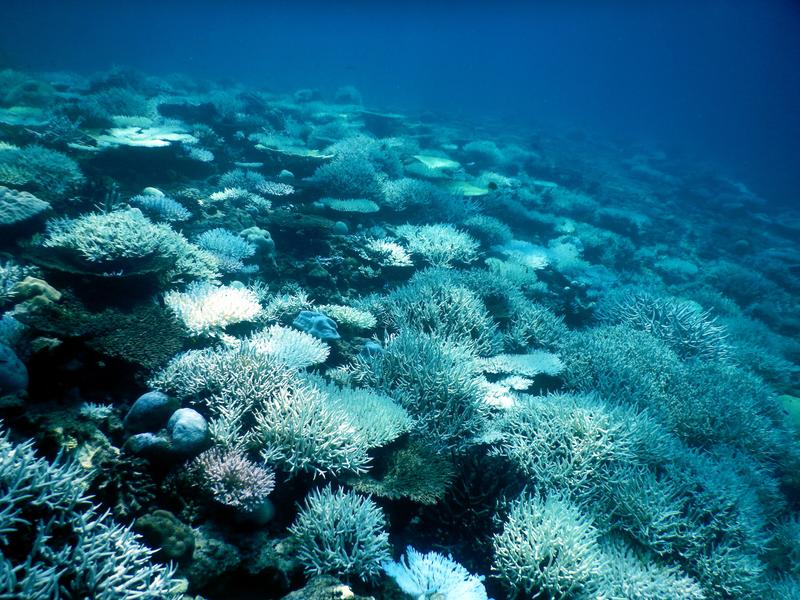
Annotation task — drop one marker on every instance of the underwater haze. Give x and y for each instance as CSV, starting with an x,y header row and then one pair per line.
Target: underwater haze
x,y
413,301
717,80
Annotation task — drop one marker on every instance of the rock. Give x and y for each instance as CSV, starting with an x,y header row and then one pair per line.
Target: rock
x,y
13,374
150,412
258,516
791,405
370,349
188,431
213,557
148,444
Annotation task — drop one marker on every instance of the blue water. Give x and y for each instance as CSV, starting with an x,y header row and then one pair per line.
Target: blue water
x,y
715,80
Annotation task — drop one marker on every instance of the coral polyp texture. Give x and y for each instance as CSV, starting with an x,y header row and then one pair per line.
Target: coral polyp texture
x,y
298,340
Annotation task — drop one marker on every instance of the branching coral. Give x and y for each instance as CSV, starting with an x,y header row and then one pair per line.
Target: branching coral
x,y
439,245
55,544
683,325
435,380
162,208
342,533
46,171
548,548
233,479
433,304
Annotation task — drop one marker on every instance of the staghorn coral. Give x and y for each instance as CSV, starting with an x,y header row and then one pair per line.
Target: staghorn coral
x,y
548,548
439,245
55,544
433,304
683,325
435,380
257,402
341,533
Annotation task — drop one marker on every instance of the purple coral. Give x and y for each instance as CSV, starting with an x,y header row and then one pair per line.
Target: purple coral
x,y
233,479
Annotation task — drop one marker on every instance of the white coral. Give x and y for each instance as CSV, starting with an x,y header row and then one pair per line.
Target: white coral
x,y
206,309
434,575
296,349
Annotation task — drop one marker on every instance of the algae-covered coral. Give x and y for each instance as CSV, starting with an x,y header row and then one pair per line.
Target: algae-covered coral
x,y
365,333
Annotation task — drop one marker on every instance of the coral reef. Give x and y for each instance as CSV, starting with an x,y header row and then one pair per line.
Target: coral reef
x,y
288,337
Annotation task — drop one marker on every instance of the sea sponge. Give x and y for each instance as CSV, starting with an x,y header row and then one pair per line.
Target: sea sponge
x,y
17,207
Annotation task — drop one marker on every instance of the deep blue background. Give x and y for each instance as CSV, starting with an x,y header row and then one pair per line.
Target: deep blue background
x,y
719,80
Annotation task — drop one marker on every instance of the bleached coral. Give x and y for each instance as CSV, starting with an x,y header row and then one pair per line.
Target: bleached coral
x,y
378,419
342,533
162,208
548,548
240,197
296,349
526,365
228,248
55,544
233,479
426,575
349,316
127,237
299,430
207,309
386,253
440,244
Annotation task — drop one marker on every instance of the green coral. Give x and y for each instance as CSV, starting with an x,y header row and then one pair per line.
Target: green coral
x,y
411,471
